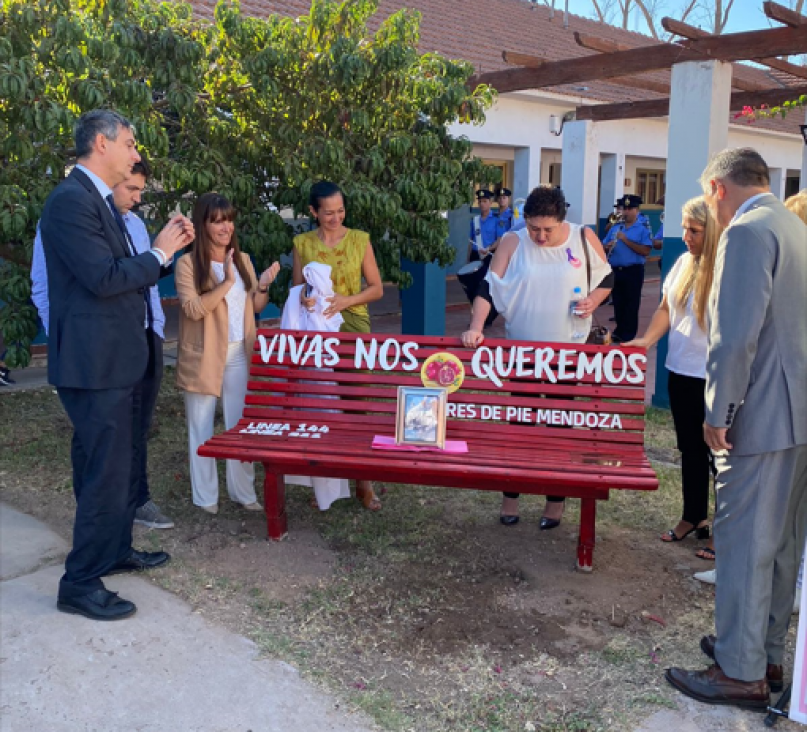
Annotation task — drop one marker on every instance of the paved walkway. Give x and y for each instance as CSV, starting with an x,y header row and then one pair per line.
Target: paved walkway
x,y
166,668
386,314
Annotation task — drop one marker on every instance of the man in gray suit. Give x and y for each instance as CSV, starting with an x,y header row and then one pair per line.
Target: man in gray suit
x,y
756,424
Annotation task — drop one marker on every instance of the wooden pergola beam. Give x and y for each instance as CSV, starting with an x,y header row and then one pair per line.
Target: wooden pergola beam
x,y
584,68
690,32
750,46
780,13
661,107
534,62
602,45
522,59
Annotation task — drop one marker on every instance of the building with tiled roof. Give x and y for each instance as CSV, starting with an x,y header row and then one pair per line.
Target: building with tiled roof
x,y
520,132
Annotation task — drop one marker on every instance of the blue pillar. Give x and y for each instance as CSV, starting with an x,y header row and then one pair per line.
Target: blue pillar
x,y
674,247
270,311
424,302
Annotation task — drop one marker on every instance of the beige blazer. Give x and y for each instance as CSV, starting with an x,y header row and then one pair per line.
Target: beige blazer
x,y
204,331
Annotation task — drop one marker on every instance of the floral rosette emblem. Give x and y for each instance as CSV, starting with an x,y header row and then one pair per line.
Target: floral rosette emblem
x,y
443,370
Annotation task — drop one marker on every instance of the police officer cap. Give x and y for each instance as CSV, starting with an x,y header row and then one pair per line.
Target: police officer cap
x,y
483,193
505,192
620,202
632,201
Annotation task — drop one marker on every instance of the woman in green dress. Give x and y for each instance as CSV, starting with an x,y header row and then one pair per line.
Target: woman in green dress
x,y
349,253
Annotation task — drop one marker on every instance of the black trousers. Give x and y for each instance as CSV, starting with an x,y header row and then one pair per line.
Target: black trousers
x,y
108,461
145,399
101,453
688,411
627,297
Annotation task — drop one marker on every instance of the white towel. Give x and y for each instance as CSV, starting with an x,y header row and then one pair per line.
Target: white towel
x,y
296,317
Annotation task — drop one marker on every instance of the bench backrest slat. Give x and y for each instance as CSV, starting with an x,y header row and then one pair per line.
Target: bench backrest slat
x,y
530,391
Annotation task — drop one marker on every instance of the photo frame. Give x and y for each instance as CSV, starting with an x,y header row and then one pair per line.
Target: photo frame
x,y
421,416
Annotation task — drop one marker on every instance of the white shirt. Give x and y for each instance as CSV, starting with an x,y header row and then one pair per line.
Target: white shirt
x,y
534,296
686,350
236,299
106,191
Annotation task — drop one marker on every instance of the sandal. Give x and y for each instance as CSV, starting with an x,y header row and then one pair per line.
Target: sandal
x,y
706,553
701,532
368,498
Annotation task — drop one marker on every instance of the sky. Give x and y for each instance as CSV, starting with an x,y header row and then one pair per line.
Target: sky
x,y
745,14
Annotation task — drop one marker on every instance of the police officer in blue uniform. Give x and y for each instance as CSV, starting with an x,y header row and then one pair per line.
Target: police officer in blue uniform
x,y
505,214
630,243
484,228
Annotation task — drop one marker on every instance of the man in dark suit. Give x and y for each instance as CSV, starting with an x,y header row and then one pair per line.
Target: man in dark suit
x,y
98,352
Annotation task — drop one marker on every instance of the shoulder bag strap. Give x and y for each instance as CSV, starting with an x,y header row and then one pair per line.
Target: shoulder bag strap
x,y
588,259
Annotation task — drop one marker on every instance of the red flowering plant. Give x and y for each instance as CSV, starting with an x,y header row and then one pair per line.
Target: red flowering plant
x,y
752,114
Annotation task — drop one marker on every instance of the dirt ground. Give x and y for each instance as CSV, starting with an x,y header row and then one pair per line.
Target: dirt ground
x,y
430,615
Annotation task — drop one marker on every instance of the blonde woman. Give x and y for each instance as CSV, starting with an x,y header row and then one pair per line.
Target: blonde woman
x,y
683,313
797,203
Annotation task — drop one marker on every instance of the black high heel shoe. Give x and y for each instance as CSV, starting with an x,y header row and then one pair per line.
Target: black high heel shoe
x,y
549,523
701,532
508,520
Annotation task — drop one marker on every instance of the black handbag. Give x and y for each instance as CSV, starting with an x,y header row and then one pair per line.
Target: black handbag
x,y
599,335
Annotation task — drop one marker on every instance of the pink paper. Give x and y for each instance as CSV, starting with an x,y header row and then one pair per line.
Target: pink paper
x,y
381,442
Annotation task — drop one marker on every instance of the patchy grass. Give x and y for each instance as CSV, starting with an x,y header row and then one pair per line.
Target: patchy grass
x,y
428,615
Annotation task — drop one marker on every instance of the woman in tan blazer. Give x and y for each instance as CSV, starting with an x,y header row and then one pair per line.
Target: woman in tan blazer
x,y
220,294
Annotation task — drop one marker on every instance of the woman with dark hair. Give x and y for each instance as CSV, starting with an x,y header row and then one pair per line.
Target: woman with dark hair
x,y
219,294
350,255
531,282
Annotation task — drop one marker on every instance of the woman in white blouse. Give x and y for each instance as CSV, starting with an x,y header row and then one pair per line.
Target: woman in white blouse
x,y
531,281
220,295
683,312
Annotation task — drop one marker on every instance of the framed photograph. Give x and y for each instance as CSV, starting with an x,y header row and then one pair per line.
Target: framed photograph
x,y
421,417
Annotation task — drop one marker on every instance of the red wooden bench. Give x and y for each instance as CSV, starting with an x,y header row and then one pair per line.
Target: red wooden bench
x,y
553,424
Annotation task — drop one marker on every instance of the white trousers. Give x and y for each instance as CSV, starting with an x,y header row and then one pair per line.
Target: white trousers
x,y
201,410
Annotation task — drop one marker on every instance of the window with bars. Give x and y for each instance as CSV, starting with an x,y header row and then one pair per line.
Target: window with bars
x,y
651,185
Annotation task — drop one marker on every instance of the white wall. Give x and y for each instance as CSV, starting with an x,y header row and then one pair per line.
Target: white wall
x,y
520,124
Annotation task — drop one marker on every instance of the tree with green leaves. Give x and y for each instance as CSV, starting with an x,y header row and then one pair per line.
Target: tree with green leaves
x,y
257,109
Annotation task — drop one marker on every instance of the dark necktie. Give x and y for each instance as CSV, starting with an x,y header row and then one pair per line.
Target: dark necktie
x,y
132,252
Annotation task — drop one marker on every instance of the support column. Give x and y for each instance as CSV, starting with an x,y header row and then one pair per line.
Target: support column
x,y
778,181
526,170
423,304
579,163
612,182
698,129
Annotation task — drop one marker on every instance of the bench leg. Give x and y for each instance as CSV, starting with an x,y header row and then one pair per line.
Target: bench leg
x,y
585,544
274,501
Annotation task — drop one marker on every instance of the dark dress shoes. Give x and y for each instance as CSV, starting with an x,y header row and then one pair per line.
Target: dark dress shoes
x,y
508,520
774,673
98,605
549,523
140,562
712,686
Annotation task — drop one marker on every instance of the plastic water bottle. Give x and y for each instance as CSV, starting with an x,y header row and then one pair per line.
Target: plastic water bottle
x,y
575,319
